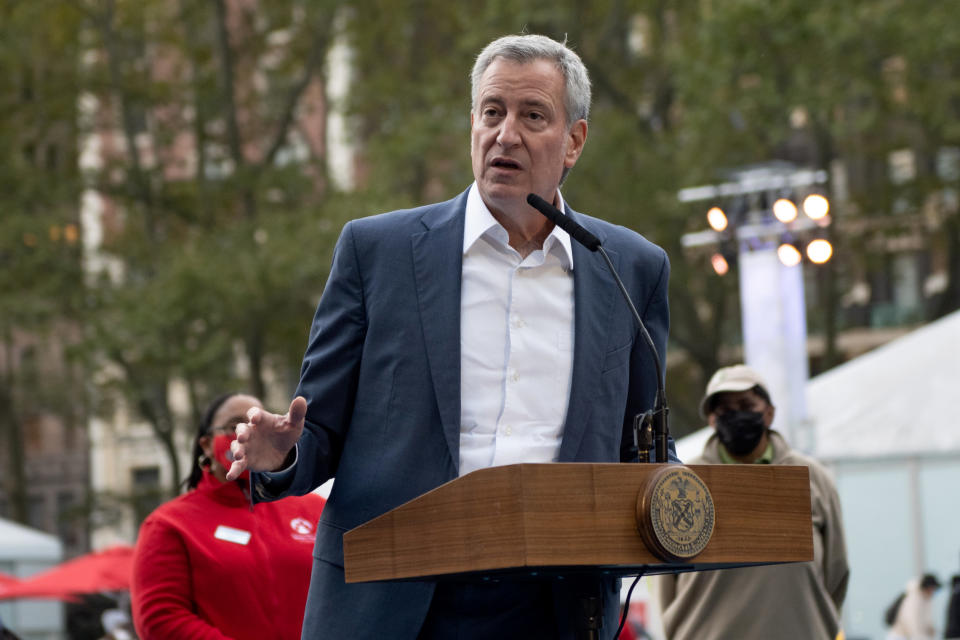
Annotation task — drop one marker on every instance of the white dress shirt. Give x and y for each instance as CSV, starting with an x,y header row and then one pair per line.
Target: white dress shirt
x,y
516,344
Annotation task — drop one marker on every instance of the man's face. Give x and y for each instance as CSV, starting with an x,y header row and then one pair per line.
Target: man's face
x,y
730,401
519,141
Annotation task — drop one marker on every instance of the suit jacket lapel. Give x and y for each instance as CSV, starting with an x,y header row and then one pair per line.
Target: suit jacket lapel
x,y
594,292
437,260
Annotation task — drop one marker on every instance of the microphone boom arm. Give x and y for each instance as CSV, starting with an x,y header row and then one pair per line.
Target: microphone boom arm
x,y
660,410
661,430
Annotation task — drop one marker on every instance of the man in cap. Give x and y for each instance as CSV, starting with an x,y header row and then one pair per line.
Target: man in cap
x,y
799,600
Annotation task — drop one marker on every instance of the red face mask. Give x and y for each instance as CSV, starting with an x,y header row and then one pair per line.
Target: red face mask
x,y
222,453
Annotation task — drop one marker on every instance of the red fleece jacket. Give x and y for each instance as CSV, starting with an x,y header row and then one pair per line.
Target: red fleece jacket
x,y
206,567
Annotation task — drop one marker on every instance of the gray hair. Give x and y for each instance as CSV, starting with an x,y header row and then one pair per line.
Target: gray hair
x,y
528,48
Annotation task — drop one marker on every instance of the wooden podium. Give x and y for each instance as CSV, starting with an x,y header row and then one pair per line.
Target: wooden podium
x,y
568,518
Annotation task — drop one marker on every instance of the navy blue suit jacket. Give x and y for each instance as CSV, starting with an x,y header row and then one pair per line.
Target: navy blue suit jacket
x,y
381,377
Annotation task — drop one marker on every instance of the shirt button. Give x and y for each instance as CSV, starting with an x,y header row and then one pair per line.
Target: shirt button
x,y
514,376
508,430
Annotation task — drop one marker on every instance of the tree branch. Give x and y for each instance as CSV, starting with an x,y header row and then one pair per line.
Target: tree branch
x,y
226,72
314,60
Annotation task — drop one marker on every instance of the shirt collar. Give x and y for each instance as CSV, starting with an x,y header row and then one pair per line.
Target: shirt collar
x,y
480,221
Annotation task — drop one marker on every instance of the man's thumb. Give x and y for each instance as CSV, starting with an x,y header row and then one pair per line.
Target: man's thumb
x,y
298,411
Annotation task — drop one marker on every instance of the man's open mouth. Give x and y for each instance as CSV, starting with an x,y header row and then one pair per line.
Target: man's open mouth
x,y
504,163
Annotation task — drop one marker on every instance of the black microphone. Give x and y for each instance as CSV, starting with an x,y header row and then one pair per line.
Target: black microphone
x,y
566,223
661,430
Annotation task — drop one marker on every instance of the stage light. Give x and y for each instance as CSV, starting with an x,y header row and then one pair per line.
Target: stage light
x,y
784,210
719,264
717,219
816,206
819,251
789,255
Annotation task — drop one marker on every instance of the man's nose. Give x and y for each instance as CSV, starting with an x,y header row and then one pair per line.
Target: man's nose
x,y
509,135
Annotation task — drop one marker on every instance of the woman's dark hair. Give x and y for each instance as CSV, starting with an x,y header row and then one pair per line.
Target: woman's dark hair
x,y
196,470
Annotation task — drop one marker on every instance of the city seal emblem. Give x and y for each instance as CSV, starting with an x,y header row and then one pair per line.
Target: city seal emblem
x,y
675,514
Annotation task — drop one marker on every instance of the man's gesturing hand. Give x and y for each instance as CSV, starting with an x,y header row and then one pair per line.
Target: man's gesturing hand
x,y
265,440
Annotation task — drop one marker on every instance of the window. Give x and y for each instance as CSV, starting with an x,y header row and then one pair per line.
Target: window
x,y
37,511
66,530
146,492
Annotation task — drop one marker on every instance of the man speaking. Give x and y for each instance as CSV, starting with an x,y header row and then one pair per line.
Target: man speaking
x,y
462,335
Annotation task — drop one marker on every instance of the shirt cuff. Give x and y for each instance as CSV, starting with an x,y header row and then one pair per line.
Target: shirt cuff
x,y
269,485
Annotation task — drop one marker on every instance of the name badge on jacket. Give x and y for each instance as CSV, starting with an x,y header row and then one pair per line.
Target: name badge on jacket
x,y
238,536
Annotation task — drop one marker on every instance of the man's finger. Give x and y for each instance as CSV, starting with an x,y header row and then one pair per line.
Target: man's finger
x,y
236,469
241,432
298,410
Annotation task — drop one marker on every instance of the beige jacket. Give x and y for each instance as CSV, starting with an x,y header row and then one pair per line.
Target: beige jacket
x,y
800,600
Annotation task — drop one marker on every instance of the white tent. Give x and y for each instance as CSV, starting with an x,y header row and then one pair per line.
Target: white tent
x,y
896,400
886,423
20,545
24,552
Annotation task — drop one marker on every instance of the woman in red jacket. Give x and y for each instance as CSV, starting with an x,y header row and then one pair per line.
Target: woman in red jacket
x,y
208,566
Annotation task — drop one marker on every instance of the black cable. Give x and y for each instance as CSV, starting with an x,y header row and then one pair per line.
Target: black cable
x,y
626,607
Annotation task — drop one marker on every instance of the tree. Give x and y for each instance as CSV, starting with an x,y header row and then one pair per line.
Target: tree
x,y
682,91
416,141
39,234
221,241
219,216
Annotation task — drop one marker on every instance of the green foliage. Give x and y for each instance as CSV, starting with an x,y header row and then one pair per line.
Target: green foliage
x,y
682,91
229,253
220,224
39,235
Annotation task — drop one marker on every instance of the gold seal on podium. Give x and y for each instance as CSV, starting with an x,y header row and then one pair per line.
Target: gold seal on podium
x,y
675,514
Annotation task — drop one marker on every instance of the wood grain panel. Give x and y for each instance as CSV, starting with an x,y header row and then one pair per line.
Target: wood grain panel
x,y
575,515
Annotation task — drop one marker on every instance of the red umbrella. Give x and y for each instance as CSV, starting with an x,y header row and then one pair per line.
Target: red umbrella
x,y
107,570
6,580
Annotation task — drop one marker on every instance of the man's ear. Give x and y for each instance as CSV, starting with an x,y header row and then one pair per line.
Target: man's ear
x,y
768,414
577,138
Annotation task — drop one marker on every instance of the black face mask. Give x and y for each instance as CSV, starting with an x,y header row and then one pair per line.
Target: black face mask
x,y
740,431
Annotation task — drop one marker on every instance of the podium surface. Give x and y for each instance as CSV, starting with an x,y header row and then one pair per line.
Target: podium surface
x,y
569,517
